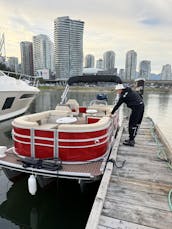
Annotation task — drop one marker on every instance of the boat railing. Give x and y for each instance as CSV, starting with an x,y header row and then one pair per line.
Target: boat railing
x,y
64,95
33,138
31,80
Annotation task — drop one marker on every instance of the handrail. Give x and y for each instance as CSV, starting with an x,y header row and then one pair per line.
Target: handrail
x,y
32,79
63,97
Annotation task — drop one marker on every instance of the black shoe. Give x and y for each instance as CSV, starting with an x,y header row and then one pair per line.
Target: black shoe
x,y
128,140
129,143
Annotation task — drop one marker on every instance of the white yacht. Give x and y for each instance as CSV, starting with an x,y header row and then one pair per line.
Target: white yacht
x,y
15,96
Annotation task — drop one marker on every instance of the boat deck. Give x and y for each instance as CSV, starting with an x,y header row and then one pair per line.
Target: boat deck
x,y
136,195
88,171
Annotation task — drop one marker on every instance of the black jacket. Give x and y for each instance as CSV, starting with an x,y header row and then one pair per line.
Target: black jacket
x,y
130,97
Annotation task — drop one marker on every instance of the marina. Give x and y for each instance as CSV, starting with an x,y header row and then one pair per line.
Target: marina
x,y
136,195
74,205
85,115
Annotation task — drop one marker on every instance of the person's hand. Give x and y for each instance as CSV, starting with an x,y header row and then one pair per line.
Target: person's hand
x,y
111,115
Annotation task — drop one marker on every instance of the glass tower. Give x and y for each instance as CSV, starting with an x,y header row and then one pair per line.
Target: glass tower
x,y
130,65
68,44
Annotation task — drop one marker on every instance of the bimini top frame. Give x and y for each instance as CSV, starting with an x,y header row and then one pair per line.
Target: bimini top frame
x,y
88,79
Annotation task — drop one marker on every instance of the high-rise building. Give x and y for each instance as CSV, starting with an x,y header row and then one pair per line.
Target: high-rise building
x,y
13,63
122,73
109,60
89,61
145,69
26,49
42,53
166,72
99,64
68,42
130,65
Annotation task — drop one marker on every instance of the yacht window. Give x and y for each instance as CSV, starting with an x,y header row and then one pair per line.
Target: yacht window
x,y
8,103
26,96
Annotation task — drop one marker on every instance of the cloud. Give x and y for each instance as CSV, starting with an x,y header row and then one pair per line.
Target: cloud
x,y
144,26
150,21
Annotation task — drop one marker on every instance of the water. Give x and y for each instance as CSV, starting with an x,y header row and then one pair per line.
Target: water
x,y
63,205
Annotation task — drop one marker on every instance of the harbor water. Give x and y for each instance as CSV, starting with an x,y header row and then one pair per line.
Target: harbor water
x,y
63,204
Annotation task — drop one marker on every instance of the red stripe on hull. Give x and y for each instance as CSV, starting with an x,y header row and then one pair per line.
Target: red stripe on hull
x,y
85,154
65,154
82,135
95,144
22,131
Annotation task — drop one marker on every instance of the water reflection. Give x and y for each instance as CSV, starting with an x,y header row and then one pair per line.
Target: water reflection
x,y
5,133
62,205
164,101
159,109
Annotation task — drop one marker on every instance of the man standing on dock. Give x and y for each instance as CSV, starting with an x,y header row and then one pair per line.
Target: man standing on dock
x,y
135,102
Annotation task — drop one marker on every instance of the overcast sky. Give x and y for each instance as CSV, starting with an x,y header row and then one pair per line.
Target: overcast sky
x,y
119,25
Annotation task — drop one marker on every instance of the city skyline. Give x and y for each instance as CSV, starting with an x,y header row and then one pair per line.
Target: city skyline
x,y
144,26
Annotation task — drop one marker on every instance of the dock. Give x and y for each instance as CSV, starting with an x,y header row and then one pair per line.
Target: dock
x,y
135,194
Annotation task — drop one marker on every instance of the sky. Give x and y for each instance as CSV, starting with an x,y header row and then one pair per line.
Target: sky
x,y
119,25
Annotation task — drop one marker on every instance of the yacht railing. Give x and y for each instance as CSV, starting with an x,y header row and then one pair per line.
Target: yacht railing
x,y
31,80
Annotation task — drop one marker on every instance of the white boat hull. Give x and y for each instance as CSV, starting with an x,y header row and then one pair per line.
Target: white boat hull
x,y
15,96
18,107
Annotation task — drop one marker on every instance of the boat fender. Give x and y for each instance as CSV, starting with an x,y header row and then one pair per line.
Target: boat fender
x,y
32,185
2,151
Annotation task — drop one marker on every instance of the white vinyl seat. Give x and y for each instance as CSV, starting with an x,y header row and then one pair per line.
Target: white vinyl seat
x,y
74,106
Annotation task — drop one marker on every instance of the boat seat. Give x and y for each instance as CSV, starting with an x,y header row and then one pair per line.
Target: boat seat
x,y
101,124
46,119
48,126
74,106
101,109
63,108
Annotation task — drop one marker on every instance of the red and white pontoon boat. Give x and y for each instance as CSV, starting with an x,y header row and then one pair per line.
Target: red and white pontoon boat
x,y
71,141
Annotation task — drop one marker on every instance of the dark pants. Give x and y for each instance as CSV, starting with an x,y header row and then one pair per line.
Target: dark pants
x,y
135,120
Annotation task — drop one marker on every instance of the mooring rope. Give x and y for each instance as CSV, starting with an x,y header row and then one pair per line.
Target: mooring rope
x,y
114,162
162,155
169,199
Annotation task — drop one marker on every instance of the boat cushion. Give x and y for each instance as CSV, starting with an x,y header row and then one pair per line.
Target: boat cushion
x,y
103,123
45,119
48,126
63,108
74,106
101,108
22,122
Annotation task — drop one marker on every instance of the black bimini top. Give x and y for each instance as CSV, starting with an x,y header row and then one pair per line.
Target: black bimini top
x,y
94,79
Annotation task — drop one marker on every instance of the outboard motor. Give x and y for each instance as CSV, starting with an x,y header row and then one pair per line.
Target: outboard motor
x,y
139,85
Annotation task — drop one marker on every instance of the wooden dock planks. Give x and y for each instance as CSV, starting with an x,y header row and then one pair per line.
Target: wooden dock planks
x,y
135,196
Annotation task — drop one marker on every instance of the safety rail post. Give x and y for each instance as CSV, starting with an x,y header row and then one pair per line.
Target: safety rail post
x,y
32,131
56,145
